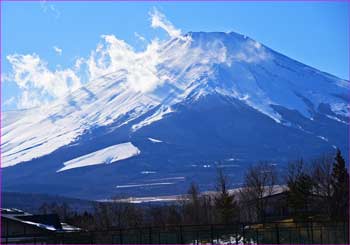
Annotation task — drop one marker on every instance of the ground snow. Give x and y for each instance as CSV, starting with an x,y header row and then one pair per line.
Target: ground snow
x,y
155,140
144,185
154,118
105,156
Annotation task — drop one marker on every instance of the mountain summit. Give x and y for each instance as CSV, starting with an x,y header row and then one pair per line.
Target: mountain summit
x,y
171,116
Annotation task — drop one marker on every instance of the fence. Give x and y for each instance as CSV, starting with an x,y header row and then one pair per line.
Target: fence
x,y
271,233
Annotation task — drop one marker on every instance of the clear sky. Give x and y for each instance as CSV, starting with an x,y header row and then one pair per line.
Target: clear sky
x,y
55,34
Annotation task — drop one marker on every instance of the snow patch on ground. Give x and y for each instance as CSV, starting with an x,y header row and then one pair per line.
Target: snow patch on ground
x,y
170,178
105,156
336,119
155,117
232,239
155,140
148,172
47,227
232,159
341,109
144,185
323,138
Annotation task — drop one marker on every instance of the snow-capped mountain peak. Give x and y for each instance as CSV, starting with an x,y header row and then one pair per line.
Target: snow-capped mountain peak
x,y
147,87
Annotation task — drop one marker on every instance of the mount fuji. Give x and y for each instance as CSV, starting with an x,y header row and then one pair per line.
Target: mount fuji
x,y
201,101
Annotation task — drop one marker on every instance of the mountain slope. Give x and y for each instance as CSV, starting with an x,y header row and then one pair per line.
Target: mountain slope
x,y
210,99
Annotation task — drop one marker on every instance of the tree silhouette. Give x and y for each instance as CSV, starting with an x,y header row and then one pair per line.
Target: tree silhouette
x,y
340,183
225,203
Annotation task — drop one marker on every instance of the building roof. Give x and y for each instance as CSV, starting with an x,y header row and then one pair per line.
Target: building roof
x,y
48,222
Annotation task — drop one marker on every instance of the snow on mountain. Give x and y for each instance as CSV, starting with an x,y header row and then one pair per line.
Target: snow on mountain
x,y
107,155
155,140
148,87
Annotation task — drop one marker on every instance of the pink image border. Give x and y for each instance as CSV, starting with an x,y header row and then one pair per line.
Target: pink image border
x,y
148,1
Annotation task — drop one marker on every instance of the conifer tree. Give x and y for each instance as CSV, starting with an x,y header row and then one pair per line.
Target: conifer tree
x,y
225,203
340,184
300,185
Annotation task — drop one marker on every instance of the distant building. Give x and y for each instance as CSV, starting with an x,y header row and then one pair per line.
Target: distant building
x,y
19,227
277,207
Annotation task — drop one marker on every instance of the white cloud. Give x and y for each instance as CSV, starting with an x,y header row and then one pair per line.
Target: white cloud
x,y
140,37
113,54
158,19
50,9
57,50
38,84
251,52
9,101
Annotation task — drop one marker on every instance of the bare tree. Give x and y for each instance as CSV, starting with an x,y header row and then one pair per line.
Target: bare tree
x,y
322,180
193,205
259,182
62,210
103,217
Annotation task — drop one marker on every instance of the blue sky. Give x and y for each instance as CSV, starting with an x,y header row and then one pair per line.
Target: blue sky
x,y
55,34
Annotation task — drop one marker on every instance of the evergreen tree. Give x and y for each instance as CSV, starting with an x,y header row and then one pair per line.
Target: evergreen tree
x,y
225,203
299,196
300,185
340,183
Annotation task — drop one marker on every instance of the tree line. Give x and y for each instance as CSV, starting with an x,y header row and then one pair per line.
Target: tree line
x,y
317,190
